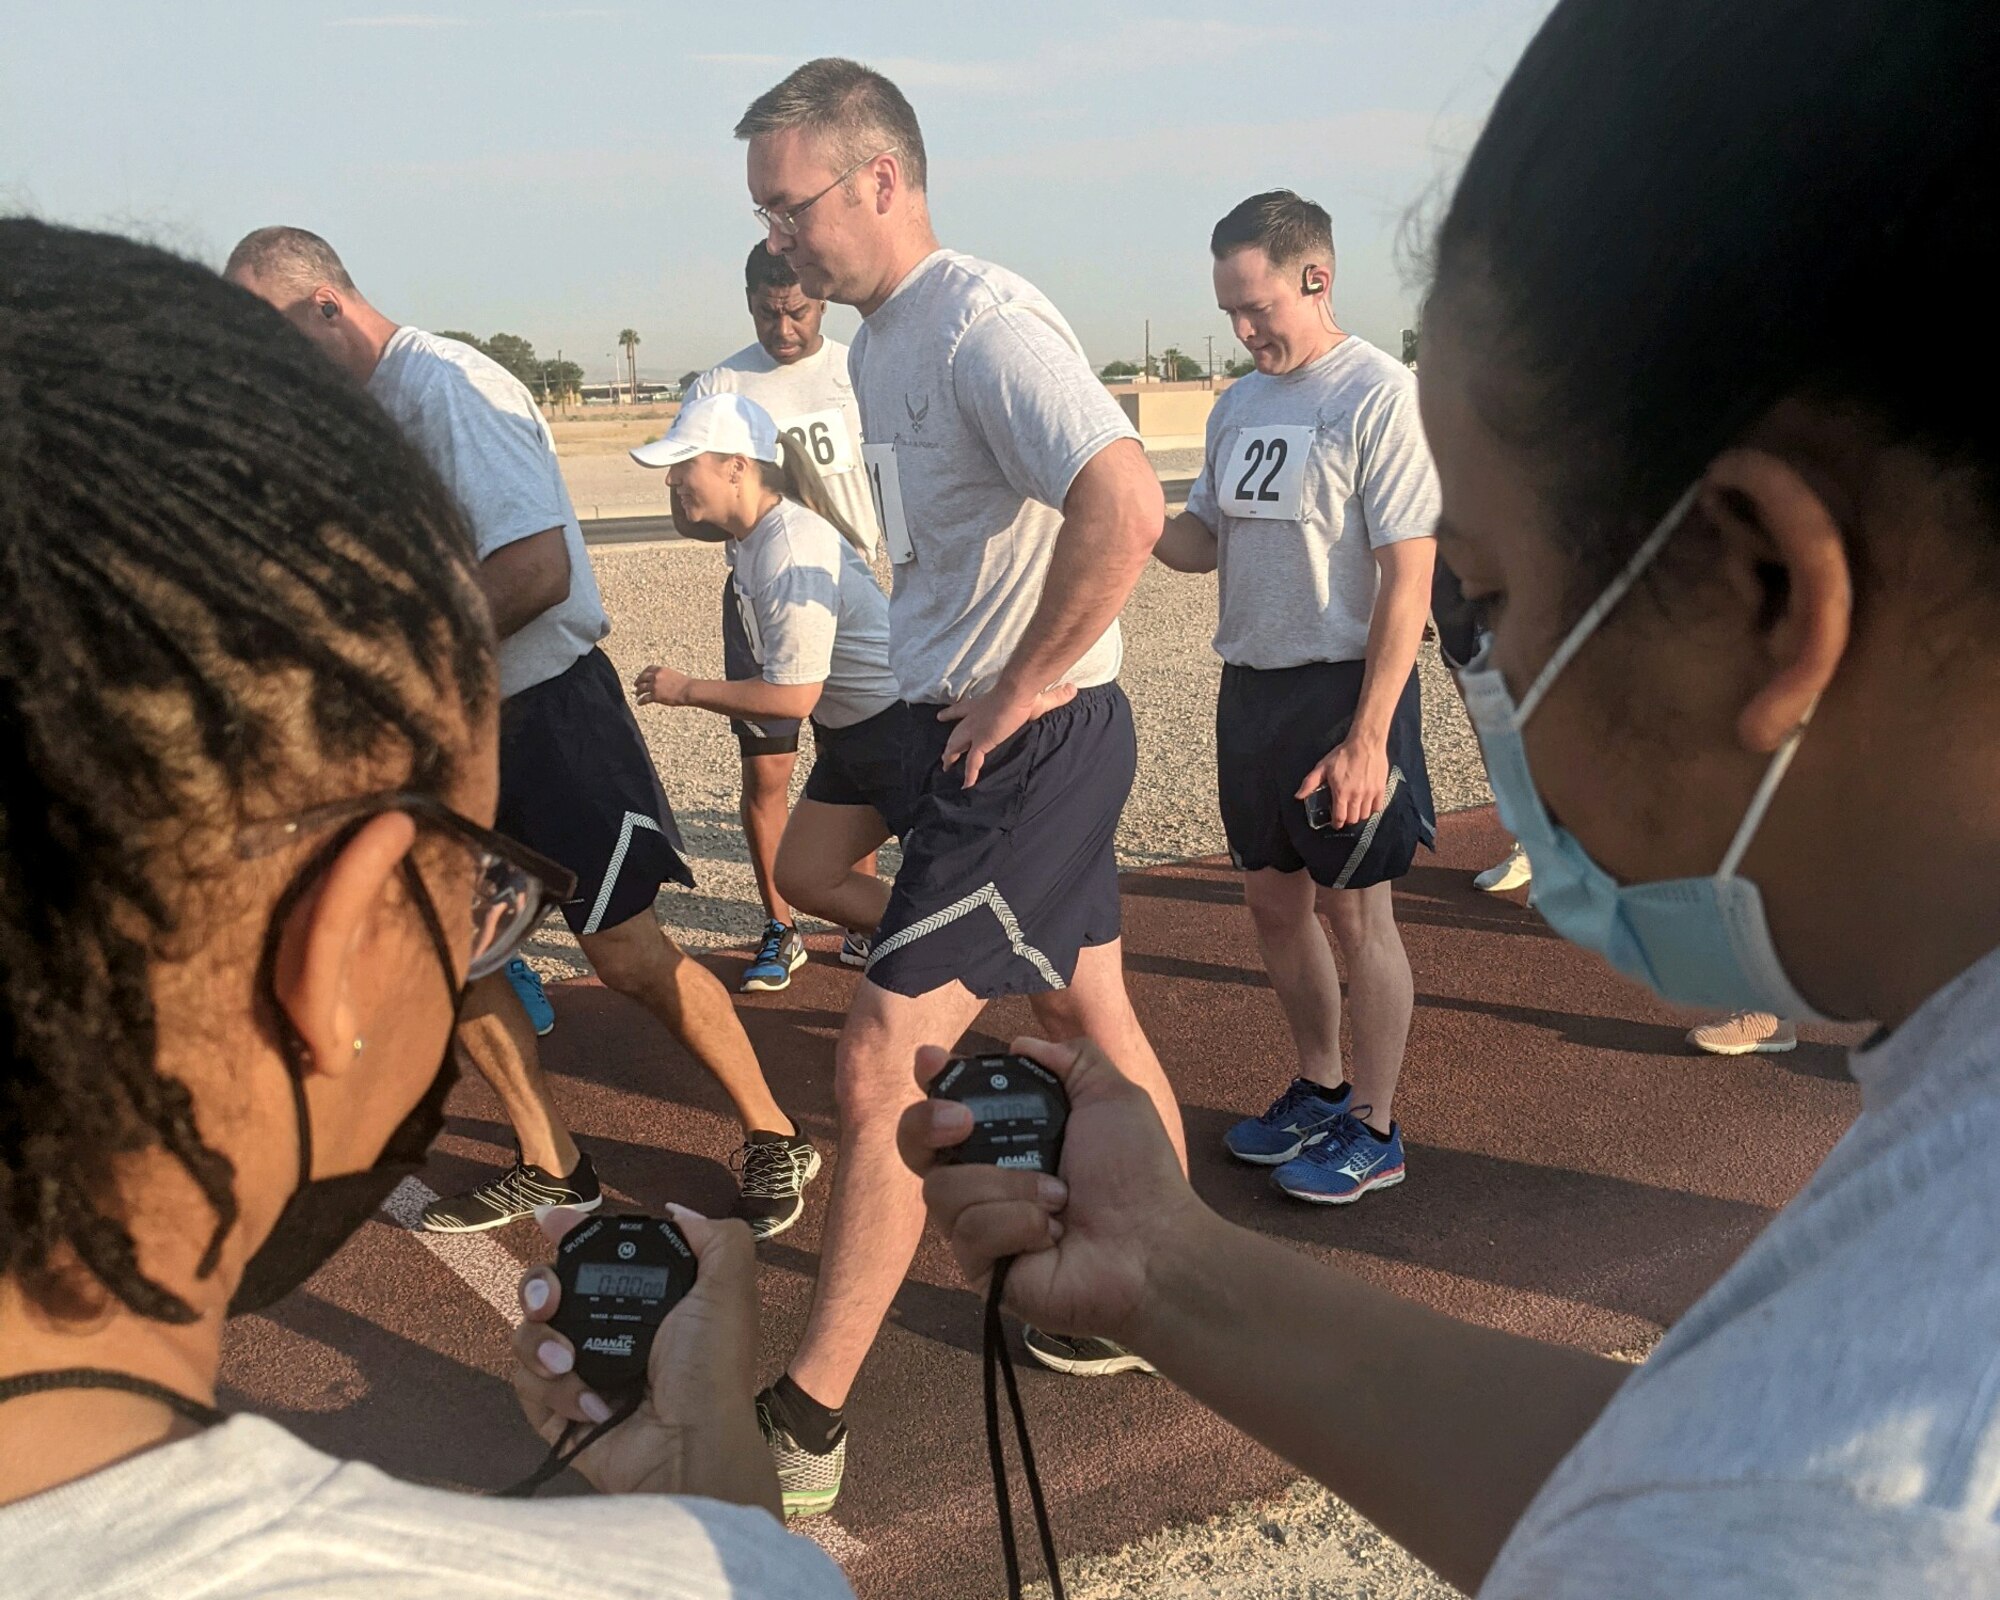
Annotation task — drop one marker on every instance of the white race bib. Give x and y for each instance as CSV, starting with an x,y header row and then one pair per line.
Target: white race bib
x,y
1265,476
824,435
887,488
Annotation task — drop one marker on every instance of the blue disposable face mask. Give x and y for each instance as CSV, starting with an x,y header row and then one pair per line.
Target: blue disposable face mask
x,y
1696,941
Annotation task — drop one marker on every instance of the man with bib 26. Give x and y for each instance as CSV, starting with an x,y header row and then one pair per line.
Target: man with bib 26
x,y
1316,507
800,376
1018,509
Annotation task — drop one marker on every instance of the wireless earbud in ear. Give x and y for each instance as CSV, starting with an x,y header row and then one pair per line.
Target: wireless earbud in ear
x,y
328,310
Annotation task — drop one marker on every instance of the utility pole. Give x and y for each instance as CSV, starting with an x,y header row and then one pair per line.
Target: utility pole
x,y
1146,366
1211,360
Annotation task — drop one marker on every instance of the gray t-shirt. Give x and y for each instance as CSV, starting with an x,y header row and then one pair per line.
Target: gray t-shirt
x,y
813,613
480,429
1824,1424
245,1511
1306,475
979,409
812,399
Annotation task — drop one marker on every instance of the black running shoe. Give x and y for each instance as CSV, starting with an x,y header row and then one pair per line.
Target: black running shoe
x,y
521,1191
776,1168
1085,1358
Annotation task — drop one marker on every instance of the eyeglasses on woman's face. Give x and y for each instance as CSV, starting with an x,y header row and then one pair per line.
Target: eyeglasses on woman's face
x,y
513,887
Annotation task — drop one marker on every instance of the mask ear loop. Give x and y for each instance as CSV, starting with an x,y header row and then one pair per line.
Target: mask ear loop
x,y
1601,607
1767,789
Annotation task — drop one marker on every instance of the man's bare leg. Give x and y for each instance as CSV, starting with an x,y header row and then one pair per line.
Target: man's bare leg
x,y
767,794
1284,911
813,864
639,961
1381,994
1096,1006
876,1214
498,1040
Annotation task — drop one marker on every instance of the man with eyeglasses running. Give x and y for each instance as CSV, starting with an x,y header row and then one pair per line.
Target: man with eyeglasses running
x,y
576,781
799,375
1018,509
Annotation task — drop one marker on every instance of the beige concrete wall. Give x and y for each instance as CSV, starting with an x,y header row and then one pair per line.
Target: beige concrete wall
x,y
1169,416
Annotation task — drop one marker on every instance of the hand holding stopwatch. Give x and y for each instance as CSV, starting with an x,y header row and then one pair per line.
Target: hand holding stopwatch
x,y
617,1278
620,1276
1019,1110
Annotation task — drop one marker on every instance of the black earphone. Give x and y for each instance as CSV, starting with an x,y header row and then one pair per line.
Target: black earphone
x,y
328,310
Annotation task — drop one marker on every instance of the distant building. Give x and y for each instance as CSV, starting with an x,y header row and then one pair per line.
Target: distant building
x,y
620,394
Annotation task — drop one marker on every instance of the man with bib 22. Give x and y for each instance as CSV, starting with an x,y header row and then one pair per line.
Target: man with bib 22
x,y
1018,509
799,375
1316,507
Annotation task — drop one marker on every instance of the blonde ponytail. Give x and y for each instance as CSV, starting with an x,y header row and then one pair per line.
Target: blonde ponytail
x,y
797,478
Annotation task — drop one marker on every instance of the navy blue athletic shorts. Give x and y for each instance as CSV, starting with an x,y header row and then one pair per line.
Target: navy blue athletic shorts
x,y
1271,728
1002,884
770,736
577,784
862,765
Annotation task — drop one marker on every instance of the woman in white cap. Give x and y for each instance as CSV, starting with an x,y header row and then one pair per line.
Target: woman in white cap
x,y
817,625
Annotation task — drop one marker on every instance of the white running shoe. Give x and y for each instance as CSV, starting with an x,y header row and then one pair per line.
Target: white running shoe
x,y
1746,1033
1508,874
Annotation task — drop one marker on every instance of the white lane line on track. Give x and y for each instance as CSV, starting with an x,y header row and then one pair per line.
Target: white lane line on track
x,y
831,1537
485,1266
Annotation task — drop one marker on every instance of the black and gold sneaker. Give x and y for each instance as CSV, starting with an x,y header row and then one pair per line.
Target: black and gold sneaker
x,y
776,1168
521,1191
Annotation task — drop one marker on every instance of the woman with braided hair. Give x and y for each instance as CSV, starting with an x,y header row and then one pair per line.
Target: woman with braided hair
x,y
247,772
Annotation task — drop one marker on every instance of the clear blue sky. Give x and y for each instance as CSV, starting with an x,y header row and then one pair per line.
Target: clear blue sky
x,y
562,172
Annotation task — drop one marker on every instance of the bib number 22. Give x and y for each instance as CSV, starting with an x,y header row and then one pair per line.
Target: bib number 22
x,y
1266,473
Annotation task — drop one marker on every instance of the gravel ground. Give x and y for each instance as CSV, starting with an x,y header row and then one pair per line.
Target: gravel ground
x,y
664,602
1304,1545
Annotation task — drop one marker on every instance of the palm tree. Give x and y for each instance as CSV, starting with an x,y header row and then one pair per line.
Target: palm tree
x,y
630,341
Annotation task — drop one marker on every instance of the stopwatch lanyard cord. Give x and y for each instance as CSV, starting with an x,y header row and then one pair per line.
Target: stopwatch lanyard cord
x,y
27,1383
563,1452
999,1363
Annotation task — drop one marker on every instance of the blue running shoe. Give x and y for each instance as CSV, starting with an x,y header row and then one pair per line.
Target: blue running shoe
x,y
781,954
1303,1110
1343,1164
534,998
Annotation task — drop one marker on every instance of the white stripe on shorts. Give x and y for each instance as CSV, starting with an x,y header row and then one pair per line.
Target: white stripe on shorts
x,y
633,819
990,897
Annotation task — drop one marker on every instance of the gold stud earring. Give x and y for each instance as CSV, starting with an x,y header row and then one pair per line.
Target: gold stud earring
x,y
360,1044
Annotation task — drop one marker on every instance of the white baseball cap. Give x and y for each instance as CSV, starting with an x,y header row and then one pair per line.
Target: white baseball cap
x,y
716,424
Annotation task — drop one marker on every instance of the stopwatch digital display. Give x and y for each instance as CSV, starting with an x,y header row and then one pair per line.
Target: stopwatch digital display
x,y
1018,1111
620,1276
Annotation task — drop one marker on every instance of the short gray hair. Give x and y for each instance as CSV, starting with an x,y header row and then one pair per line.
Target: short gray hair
x,y
854,109
288,258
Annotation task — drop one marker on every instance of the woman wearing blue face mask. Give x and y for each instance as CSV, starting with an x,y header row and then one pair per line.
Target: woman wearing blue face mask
x,y
1738,547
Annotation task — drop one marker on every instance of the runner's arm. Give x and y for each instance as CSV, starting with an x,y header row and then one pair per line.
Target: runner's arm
x,y
752,698
1186,545
525,578
1112,517
1438,1431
